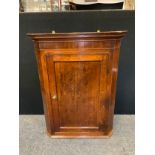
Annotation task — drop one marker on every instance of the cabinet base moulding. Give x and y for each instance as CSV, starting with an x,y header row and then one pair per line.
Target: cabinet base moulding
x,y
97,135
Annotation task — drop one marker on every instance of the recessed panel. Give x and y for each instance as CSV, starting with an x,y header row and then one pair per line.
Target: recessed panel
x,y
78,86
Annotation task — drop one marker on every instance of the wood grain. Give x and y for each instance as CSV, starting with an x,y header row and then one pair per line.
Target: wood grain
x,y
78,83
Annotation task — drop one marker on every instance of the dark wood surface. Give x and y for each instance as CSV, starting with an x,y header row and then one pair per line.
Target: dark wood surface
x,y
78,73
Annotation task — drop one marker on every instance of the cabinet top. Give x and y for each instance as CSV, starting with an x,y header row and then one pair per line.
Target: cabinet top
x,y
78,35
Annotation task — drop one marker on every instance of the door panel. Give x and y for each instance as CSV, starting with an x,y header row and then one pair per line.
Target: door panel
x,y
78,92
78,96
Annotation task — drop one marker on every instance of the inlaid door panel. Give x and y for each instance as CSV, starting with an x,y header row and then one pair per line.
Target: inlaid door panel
x,y
78,86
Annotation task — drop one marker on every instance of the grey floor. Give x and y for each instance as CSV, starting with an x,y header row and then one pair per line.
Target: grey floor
x,y
34,141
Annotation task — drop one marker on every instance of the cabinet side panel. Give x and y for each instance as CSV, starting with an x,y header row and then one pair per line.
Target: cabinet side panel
x,y
114,72
44,83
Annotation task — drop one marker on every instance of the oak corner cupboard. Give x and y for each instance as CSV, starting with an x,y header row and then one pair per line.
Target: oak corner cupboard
x,y
78,73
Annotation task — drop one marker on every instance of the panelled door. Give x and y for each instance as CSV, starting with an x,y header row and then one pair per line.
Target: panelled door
x,y
79,92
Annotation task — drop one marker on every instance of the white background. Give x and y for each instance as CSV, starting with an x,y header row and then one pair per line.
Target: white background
x,y
145,77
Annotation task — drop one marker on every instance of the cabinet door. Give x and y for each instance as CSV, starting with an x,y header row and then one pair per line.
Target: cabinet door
x,y
79,93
